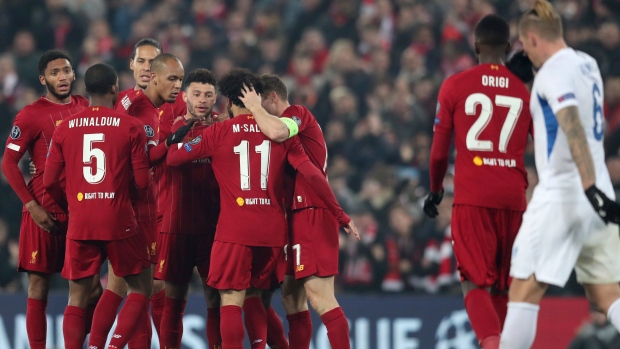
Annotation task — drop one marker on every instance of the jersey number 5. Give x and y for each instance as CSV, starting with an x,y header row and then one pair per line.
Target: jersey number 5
x,y
243,149
88,153
515,106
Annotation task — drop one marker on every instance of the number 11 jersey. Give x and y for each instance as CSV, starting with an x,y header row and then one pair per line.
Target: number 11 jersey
x,y
487,108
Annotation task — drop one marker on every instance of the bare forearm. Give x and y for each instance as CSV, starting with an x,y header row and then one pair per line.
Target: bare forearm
x,y
569,121
270,125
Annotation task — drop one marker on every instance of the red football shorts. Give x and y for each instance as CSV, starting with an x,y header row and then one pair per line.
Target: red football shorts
x,y
237,267
482,240
314,244
40,251
85,257
148,229
179,253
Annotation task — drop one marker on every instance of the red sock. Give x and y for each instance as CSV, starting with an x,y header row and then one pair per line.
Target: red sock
x,y
213,328
88,318
141,338
103,318
231,327
300,329
36,323
73,326
172,323
500,303
337,328
255,319
482,315
157,309
276,339
133,309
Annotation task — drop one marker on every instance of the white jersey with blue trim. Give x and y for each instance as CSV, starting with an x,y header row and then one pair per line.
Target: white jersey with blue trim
x,y
568,78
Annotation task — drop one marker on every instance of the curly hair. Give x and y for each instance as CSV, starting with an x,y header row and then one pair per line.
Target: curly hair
x,y
49,56
230,85
201,76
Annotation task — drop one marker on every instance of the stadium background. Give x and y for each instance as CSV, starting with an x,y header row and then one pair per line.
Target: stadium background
x,y
369,70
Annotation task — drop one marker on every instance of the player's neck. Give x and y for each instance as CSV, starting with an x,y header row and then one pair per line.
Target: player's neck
x,y
236,111
50,97
282,107
151,92
490,59
101,102
551,48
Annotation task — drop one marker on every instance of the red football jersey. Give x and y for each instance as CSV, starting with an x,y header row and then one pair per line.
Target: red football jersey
x,y
137,104
193,205
487,107
313,141
32,131
99,149
249,169
122,94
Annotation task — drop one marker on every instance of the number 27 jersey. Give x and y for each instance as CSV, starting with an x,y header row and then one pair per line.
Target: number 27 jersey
x,y
487,108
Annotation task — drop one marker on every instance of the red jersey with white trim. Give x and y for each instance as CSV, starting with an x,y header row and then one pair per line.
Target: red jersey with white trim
x,y
249,169
121,96
99,148
487,108
193,204
313,141
32,131
139,105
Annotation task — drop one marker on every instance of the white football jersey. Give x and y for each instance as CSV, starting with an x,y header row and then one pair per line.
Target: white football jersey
x,y
568,78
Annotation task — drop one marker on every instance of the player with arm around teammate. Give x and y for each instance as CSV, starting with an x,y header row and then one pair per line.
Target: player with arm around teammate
x,y
560,229
313,245
251,232
486,109
103,153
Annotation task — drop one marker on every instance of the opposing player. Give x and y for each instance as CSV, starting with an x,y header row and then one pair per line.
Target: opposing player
x,y
43,227
252,226
167,73
560,229
101,150
314,237
189,221
486,108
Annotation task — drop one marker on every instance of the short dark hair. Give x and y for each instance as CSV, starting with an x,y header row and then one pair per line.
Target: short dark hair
x,y
200,75
146,42
49,56
273,83
159,62
230,85
492,30
100,78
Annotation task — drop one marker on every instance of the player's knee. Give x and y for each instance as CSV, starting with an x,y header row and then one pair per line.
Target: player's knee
x,y
38,286
95,294
118,286
158,286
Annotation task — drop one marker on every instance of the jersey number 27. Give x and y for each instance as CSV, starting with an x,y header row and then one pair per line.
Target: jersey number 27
x,y
515,106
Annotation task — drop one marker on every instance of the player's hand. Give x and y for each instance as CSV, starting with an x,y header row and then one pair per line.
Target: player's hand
x,y
607,209
250,98
31,168
352,229
431,202
178,135
521,66
43,218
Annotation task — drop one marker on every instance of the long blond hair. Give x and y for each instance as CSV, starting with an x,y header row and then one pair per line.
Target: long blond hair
x,y
543,20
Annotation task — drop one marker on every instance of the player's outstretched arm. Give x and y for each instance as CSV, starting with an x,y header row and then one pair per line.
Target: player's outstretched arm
x,y
198,148
570,122
272,126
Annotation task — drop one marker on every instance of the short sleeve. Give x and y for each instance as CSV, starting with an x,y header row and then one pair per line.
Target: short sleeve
x,y
557,87
22,132
300,115
296,154
55,156
139,157
444,121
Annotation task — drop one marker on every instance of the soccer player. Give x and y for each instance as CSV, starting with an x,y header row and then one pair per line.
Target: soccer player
x,y
314,238
101,150
144,52
251,230
44,222
486,108
560,229
167,73
189,221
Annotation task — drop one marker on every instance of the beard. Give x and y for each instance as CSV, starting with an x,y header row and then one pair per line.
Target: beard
x,y
194,114
53,92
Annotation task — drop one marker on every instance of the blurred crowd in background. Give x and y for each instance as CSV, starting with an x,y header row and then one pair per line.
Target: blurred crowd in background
x,y
369,70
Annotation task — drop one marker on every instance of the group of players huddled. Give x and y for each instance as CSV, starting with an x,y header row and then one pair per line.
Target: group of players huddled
x,y
156,182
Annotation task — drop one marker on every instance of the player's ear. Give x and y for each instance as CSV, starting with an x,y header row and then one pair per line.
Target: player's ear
x,y
131,64
476,48
42,79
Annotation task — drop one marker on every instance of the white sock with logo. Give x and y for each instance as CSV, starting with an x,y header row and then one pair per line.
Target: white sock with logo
x,y
520,326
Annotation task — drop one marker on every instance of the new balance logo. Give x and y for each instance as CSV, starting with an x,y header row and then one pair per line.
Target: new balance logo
x,y
93,347
257,341
117,336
